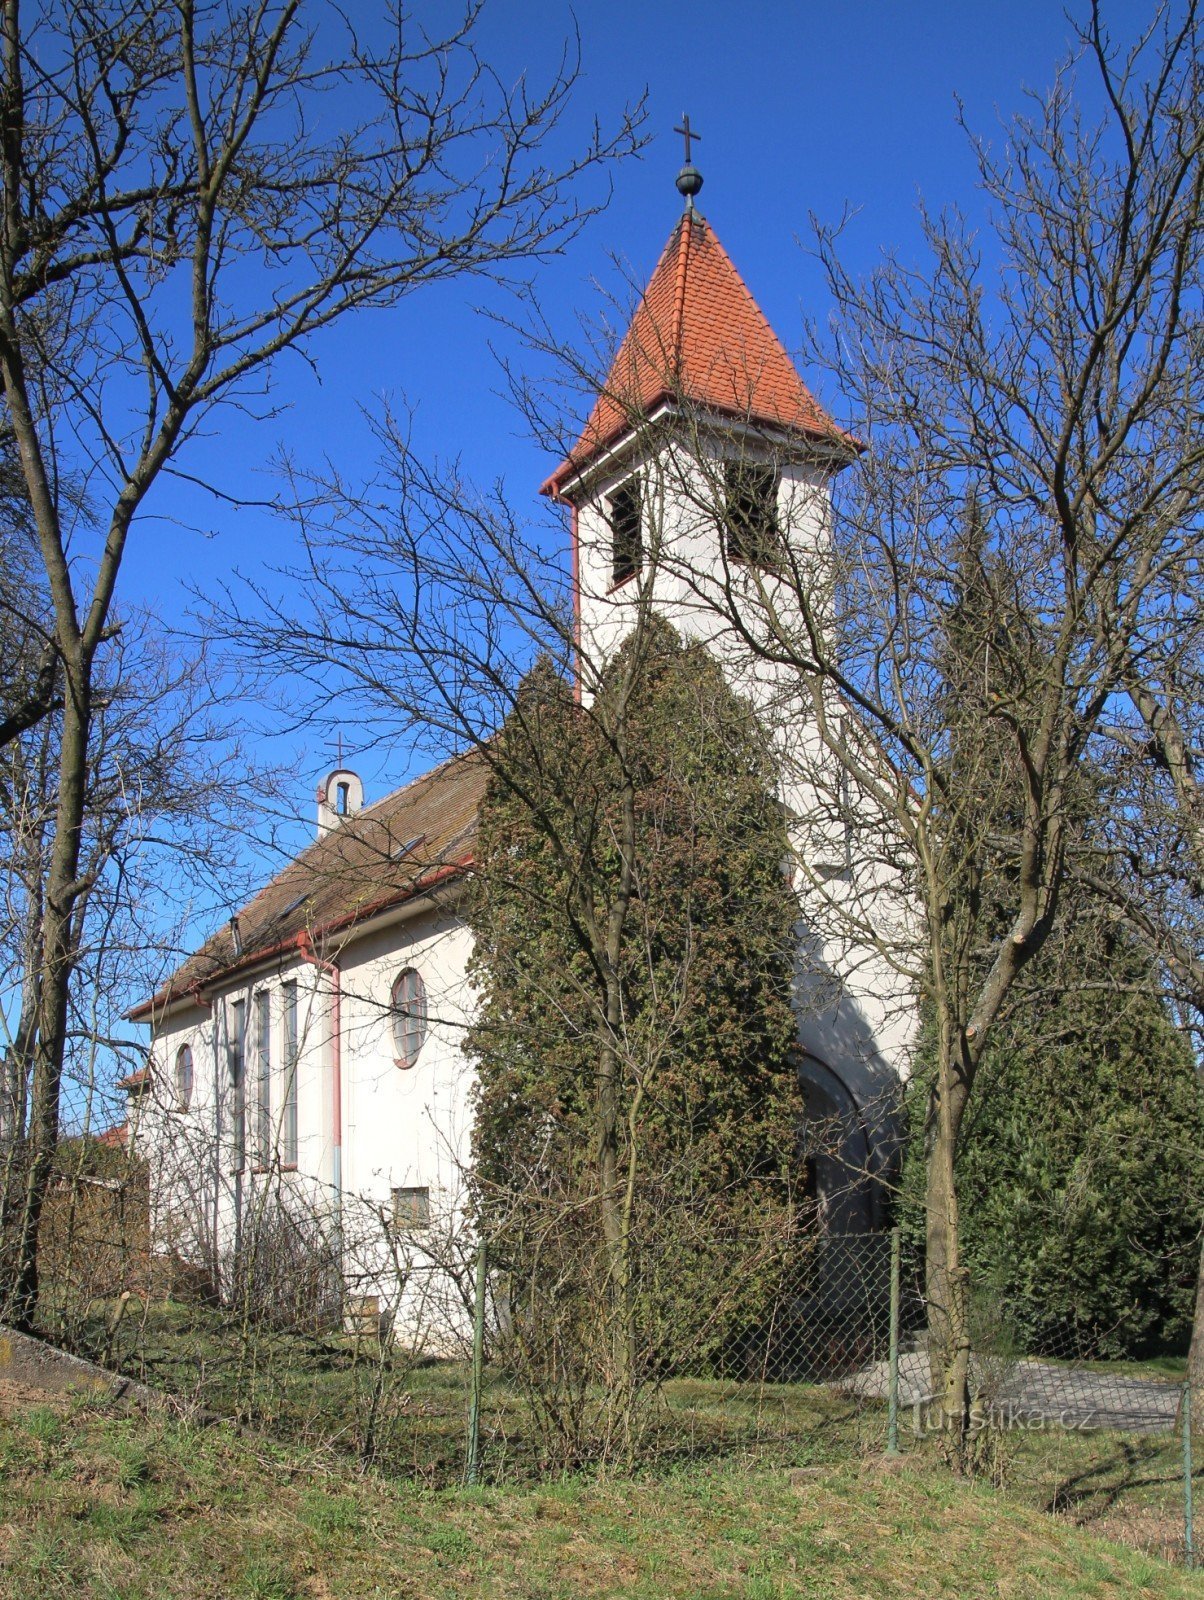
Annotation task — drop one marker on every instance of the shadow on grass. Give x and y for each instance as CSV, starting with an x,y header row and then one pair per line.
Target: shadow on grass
x,y
1129,1469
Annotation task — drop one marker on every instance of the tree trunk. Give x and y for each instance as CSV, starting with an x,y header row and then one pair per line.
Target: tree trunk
x,y
614,1228
1195,1355
14,1085
58,924
615,1215
946,1277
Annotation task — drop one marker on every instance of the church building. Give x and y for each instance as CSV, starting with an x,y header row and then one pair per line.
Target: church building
x,y
315,1039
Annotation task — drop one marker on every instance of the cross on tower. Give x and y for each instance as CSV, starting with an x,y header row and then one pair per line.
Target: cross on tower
x,y
687,133
689,179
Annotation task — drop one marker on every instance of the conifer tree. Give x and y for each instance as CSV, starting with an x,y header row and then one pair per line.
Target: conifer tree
x,y
1078,1171
1076,1193
638,1103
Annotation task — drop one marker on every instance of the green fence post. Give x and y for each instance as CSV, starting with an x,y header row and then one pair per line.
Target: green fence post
x,y
1188,1540
472,1467
892,1391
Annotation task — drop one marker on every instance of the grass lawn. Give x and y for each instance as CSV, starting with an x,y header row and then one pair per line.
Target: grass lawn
x,y
95,1504
331,1391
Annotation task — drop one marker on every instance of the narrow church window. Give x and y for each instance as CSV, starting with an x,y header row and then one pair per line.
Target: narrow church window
x,y
626,544
409,1017
288,1119
236,1045
183,1078
341,793
412,1208
751,527
263,1076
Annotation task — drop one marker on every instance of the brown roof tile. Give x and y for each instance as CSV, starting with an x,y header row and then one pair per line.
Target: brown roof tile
x,y
698,336
413,839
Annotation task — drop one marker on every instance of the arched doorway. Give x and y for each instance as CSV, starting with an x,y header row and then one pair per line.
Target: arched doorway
x,y
840,1167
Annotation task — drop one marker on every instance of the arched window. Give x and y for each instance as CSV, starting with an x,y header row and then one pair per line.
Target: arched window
x,y
183,1078
409,1017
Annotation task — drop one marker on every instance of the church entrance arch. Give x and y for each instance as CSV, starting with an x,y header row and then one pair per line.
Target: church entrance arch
x,y
834,1152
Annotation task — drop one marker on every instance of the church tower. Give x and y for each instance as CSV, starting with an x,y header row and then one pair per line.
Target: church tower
x,y
701,486
706,463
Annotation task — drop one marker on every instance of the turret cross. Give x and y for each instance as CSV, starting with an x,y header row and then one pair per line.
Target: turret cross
x,y
687,134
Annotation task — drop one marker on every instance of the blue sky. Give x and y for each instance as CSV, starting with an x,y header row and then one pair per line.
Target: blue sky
x,y
801,108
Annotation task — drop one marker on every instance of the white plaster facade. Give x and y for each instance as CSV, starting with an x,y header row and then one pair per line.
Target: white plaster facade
x,y
367,1125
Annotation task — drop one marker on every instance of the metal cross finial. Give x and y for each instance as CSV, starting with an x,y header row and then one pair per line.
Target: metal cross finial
x,y
689,179
687,133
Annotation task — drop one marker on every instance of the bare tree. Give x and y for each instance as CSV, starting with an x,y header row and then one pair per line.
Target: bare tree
x,y
1048,393
427,605
1149,865
1045,374
161,806
184,201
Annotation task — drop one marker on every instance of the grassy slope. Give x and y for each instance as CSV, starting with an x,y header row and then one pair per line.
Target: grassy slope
x,y
99,1505
318,1391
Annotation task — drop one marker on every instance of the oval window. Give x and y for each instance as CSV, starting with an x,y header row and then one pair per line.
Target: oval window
x,y
409,1017
183,1077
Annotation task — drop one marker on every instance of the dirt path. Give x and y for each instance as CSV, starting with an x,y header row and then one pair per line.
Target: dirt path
x,y
1028,1392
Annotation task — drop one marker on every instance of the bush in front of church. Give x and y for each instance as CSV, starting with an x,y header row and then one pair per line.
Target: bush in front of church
x,y
1079,1171
638,1103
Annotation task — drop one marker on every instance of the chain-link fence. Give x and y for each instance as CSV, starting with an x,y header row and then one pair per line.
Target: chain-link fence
x,y
840,1364
821,1353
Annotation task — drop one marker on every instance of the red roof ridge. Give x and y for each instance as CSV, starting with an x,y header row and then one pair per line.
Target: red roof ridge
x,y
679,298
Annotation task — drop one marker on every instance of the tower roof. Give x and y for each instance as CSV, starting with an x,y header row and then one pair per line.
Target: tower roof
x,y
698,337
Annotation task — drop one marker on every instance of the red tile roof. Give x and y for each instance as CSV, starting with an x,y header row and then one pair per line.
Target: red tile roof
x,y
135,1080
698,337
411,841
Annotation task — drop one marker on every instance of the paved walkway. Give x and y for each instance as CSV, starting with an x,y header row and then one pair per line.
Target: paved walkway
x,y
1041,1393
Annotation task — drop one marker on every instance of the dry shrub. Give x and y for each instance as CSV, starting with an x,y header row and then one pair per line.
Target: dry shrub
x,y
283,1273
95,1231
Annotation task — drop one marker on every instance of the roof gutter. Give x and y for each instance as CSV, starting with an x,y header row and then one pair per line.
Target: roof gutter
x,y
148,1012
572,477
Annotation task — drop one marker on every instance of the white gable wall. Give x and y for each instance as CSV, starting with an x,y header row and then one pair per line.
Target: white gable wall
x,y
406,1126
402,1127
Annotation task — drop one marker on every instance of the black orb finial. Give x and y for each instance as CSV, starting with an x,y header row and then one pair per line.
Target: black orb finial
x,y
689,179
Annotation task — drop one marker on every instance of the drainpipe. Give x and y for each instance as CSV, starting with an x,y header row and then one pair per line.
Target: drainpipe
x,y
576,539
305,946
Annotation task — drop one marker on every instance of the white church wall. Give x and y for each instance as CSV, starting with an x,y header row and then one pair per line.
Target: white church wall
x,y
205,1177
176,1141
406,1125
403,1127
856,1010
685,574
